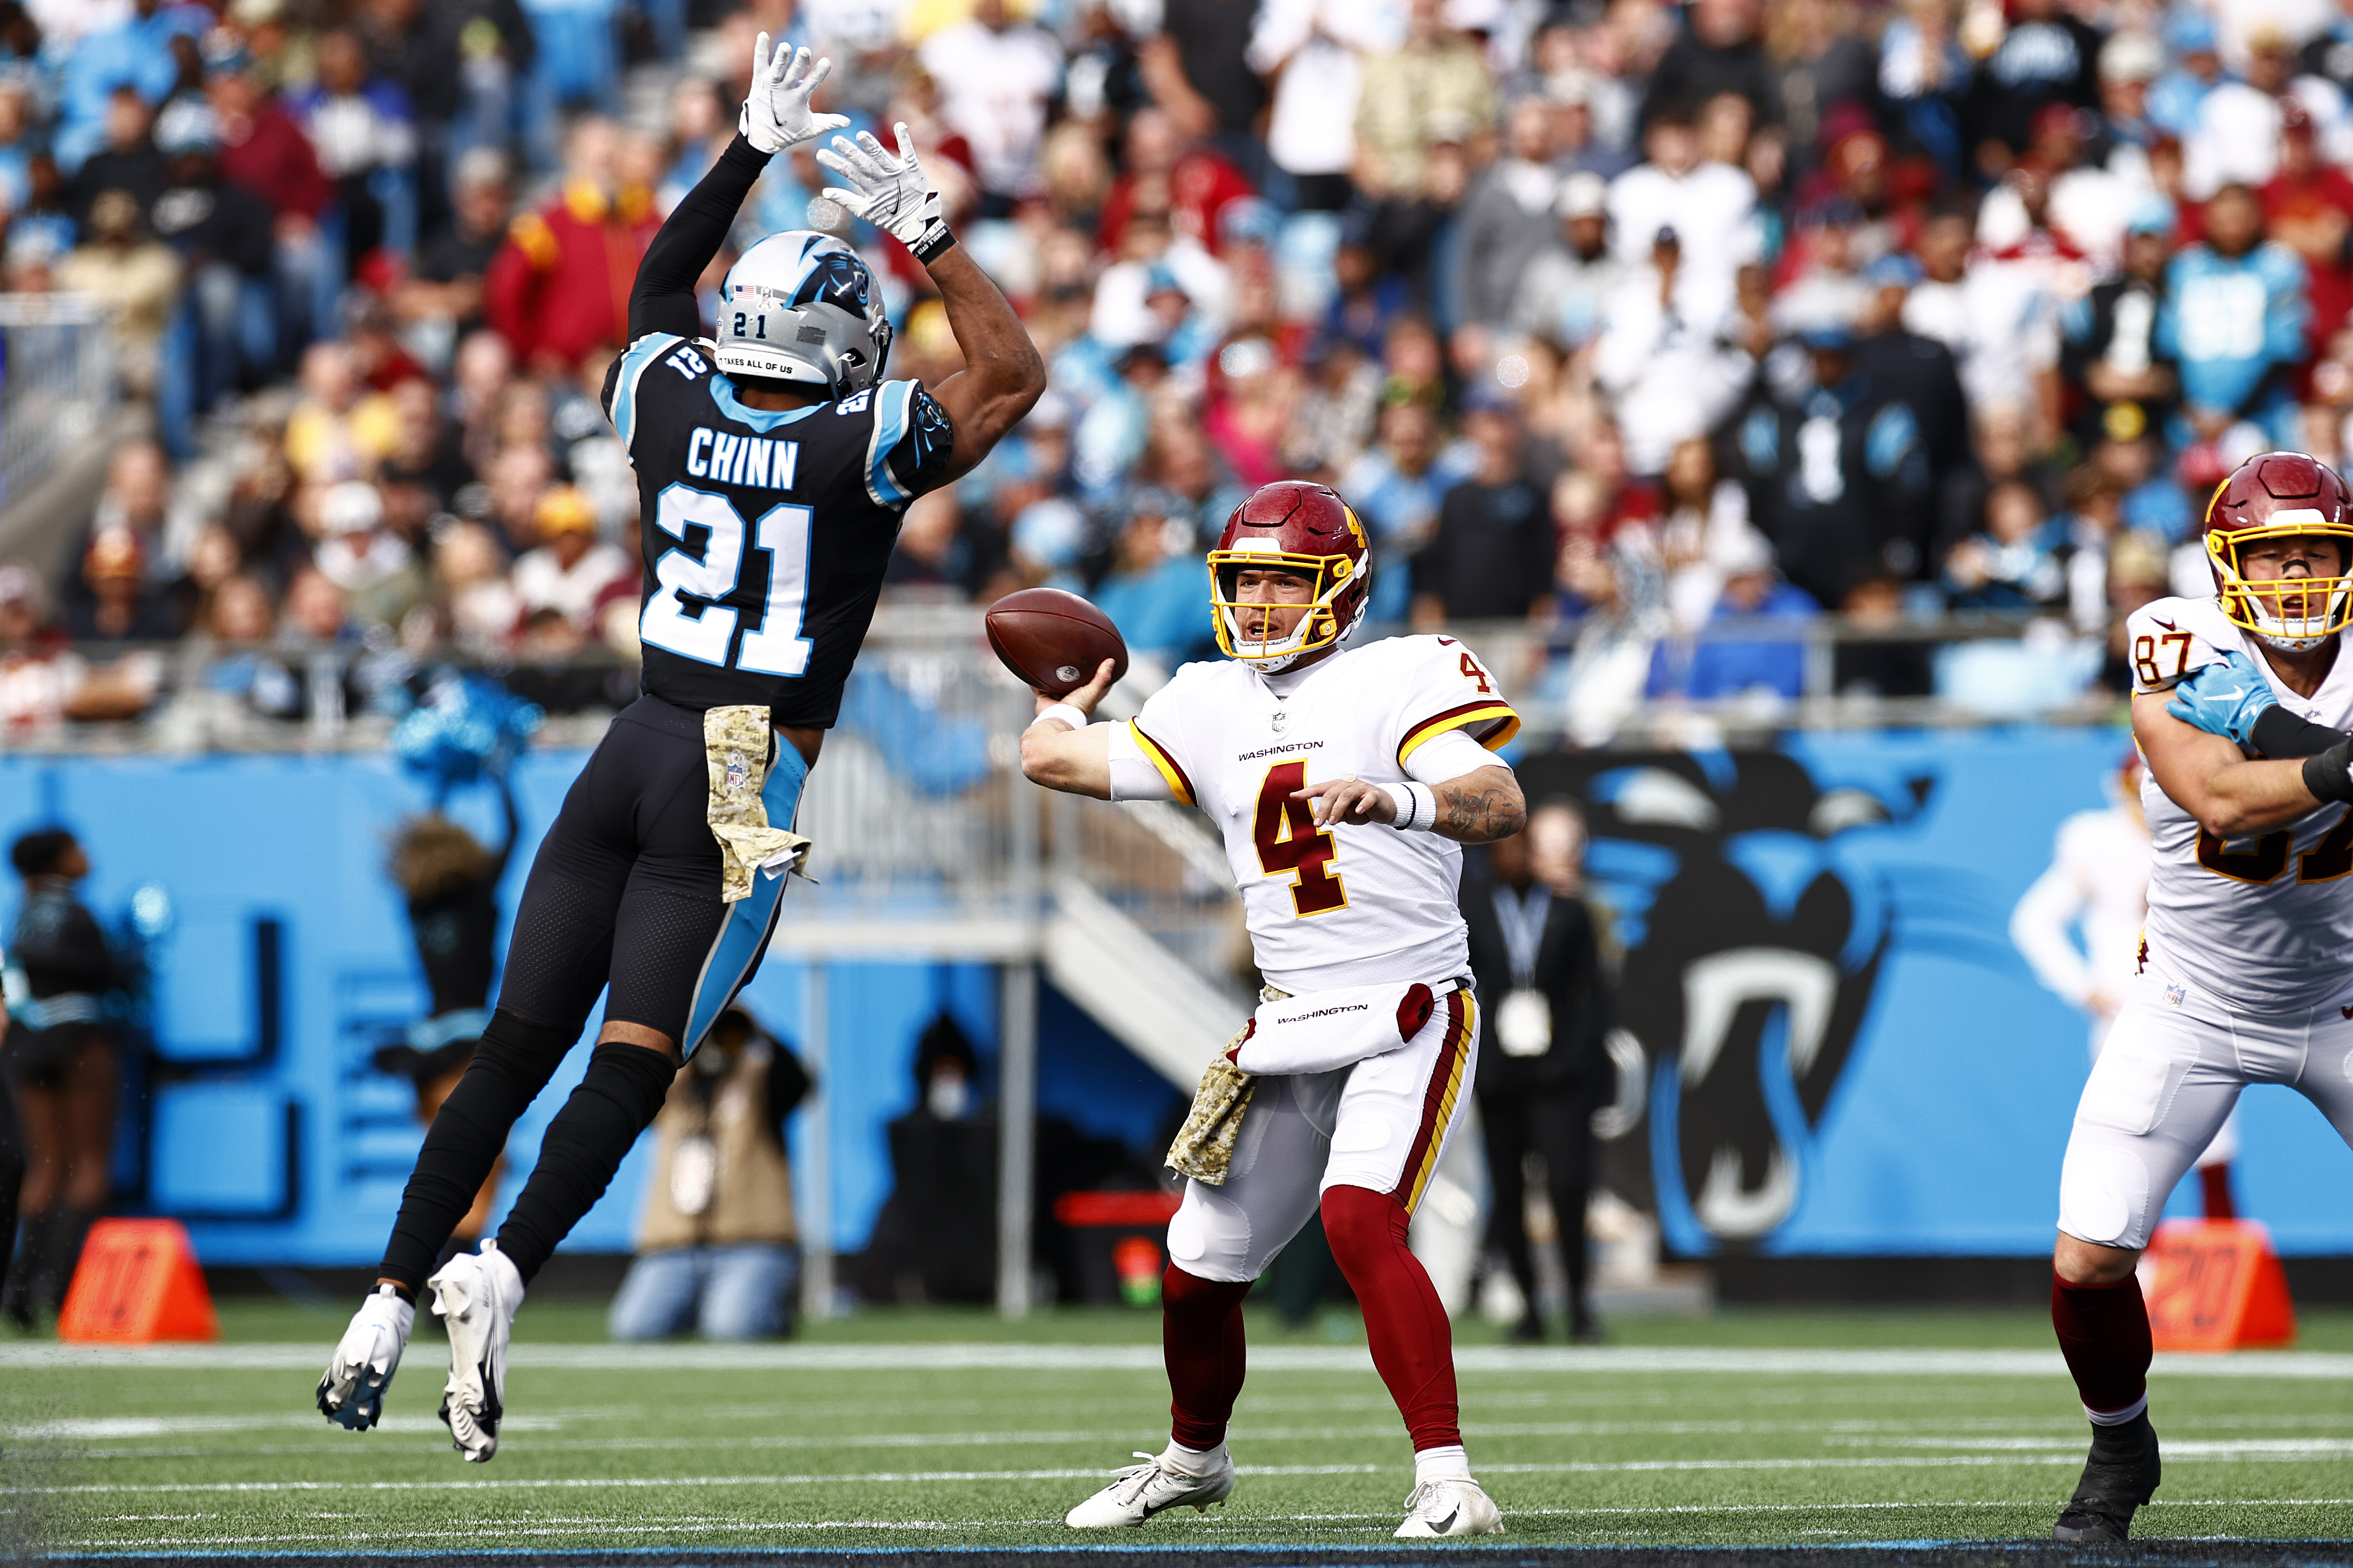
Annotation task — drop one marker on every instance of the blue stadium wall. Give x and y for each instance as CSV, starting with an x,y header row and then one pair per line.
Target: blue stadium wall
x,y
1929,1116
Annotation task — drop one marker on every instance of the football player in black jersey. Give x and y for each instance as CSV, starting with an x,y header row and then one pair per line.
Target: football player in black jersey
x,y
773,465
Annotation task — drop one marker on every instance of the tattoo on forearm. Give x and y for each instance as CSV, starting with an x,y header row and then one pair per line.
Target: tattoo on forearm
x,y
1480,815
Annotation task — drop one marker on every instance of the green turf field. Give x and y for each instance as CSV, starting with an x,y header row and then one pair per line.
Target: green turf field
x,y
929,1428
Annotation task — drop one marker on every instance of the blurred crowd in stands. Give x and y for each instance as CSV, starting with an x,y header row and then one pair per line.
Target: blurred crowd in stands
x,y
1668,331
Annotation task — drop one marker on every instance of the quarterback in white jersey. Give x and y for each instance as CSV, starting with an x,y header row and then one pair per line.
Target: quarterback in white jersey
x,y
1345,781
2240,703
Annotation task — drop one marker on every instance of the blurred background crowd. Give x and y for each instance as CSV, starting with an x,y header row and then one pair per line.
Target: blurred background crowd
x,y
1742,352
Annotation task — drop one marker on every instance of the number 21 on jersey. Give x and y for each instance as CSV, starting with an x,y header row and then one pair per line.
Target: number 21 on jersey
x,y
1288,842
777,647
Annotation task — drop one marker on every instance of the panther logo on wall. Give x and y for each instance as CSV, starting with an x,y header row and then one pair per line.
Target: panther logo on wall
x,y
1750,962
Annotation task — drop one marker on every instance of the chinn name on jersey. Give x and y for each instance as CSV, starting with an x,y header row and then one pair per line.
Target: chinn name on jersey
x,y
732,459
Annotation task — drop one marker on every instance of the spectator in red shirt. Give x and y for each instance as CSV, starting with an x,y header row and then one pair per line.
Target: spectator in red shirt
x,y
558,289
263,150
2308,207
1200,182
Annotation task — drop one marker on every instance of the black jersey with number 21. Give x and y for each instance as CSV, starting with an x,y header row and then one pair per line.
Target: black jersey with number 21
x,y
766,534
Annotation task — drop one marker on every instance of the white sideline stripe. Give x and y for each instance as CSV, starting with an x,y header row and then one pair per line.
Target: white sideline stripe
x,y
1612,1359
1091,1472
1835,1434
1573,1468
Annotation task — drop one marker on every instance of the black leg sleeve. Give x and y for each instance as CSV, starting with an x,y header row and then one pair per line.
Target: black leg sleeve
x,y
510,1067
1502,1122
584,1146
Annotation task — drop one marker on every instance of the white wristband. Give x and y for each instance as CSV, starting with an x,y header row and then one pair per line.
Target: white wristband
x,y
1417,807
1065,712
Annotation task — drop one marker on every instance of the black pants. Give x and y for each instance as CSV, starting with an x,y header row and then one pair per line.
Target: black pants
x,y
625,888
1557,1124
625,891
12,1172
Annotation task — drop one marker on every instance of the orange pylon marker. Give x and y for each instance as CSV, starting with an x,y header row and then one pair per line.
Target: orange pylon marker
x,y
2216,1285
137,1282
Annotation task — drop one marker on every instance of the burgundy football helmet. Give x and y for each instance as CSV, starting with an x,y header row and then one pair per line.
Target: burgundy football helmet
x,y
2282,495
1297,527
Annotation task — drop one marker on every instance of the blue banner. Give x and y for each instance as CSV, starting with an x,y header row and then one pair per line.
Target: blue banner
x,y
1841,1051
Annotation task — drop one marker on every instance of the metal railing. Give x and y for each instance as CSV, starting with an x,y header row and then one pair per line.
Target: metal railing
x,y
56,377
929,708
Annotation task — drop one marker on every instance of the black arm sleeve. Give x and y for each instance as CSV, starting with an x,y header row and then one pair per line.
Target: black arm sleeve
x,y
663,301
2329,775
2280,733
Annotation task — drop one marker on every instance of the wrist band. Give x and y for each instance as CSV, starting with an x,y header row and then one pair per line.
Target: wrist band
x,y
1417,807
1065,712
934,242
2329,775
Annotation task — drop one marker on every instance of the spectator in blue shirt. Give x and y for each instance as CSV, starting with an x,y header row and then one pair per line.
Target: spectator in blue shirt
x,y
1771,659
2016,563
1395,488
137,55
2233,320
2175,97
1154,592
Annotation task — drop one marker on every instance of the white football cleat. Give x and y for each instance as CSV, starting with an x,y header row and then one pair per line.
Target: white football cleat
x,y
477,1295
1144,1489
1454,1506
351,1394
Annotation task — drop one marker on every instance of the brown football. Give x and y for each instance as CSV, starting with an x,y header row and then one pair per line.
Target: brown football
x,y
1054,640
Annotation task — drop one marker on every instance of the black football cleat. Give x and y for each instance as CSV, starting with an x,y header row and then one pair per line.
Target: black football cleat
x,y
2121,1475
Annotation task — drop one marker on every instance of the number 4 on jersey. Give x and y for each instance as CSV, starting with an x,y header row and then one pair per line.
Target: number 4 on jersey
x,y
1288,842
1472,670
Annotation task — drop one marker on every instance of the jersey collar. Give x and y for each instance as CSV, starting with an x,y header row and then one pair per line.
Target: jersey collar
x,y
722,393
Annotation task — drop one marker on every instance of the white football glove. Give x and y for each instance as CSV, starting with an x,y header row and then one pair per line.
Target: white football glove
x,y
777,110
889,193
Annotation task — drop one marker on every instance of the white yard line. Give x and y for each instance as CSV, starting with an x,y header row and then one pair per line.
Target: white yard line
x,y
920,1358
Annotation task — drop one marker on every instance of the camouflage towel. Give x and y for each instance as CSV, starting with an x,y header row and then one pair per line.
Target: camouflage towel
x,y
1204,1149
736,743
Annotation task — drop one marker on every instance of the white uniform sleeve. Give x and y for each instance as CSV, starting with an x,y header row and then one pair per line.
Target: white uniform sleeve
x,y
1134,775
1157,732
2039,928
1447,690
2162,648
1447,755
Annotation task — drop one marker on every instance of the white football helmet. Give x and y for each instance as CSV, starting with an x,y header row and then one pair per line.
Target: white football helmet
x,y
800,305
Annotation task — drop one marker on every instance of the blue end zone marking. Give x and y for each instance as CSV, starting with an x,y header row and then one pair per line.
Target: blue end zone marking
x,y
749,921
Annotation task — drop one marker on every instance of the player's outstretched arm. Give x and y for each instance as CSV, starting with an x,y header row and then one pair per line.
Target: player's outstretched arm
x,y
2230,796
1060,750
776,115
1478,807
1003,374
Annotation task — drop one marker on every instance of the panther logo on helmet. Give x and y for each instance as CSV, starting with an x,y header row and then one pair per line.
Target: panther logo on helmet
x,y
800,305
1296,527
2275,496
